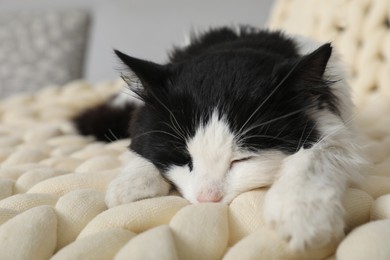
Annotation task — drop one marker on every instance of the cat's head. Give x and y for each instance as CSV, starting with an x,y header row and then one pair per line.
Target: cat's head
x,y
222,123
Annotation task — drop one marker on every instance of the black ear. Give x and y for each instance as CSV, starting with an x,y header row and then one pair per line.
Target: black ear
x,y
307,69
312,66
150,74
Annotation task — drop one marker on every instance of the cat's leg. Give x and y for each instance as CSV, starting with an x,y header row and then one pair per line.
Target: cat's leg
x,y
305,204
140,179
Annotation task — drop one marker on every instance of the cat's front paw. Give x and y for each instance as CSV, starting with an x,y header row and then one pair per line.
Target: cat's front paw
x,y
304,219
127,188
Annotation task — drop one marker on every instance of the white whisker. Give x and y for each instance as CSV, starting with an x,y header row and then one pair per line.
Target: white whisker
x,y
269,96
335,131
271,121
174,130
303,132
172,116
156,131
112,133
269,137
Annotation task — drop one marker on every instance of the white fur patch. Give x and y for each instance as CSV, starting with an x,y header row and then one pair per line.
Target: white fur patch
x,y
305,203
214,178
140,179
211,150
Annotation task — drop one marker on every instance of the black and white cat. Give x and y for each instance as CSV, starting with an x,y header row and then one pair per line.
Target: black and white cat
x,y
233,110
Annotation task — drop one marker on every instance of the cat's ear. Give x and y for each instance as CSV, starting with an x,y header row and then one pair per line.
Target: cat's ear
x,y
313,65
149,73
308,68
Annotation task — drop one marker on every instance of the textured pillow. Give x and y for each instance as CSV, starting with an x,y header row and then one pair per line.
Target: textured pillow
x,y
41,48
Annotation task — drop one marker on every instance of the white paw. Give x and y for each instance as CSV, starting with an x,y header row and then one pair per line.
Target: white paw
x,y
304,218
131,187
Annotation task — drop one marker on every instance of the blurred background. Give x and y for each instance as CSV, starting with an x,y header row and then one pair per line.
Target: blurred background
x,y
45,42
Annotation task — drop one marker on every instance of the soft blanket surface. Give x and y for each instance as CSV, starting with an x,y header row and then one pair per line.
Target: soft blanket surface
x,y
52,184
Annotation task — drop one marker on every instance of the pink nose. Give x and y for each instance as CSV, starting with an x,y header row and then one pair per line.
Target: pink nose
x,y
210,196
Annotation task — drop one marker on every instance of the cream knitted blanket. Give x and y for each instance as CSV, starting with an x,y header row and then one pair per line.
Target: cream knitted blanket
x,y
52,181
52,184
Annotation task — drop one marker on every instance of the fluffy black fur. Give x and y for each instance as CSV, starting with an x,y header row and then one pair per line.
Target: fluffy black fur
x,y
255,80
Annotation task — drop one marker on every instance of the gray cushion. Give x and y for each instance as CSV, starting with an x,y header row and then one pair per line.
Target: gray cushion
x,y
41,48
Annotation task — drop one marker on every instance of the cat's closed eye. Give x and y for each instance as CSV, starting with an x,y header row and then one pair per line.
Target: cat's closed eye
x,y
236,161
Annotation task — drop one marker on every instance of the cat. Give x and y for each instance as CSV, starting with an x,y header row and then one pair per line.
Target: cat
x,y
235,109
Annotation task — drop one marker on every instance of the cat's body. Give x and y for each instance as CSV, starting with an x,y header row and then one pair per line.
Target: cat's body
x,y
238,109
